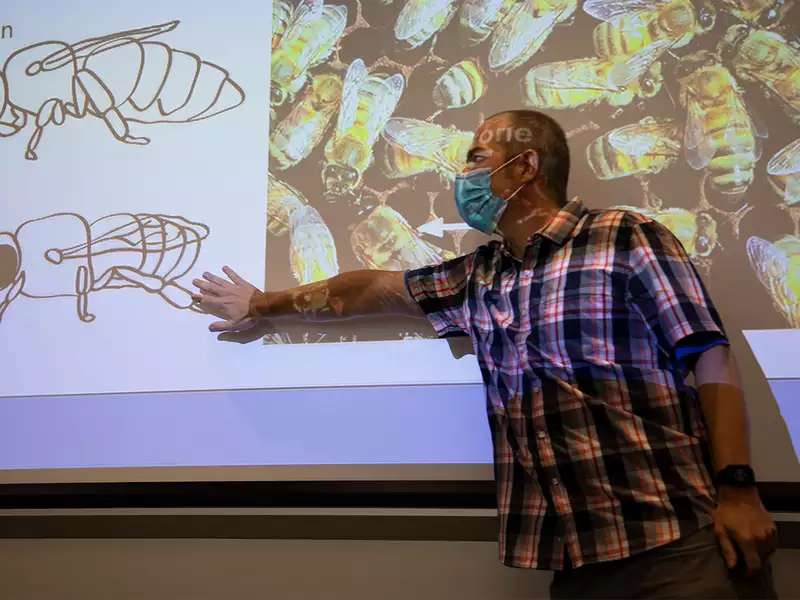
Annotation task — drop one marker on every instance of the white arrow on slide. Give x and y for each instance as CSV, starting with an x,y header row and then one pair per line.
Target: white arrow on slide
x,y
437,227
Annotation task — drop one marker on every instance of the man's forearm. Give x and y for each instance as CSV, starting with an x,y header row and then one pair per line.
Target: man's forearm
x,y
351,294
722,401
726,416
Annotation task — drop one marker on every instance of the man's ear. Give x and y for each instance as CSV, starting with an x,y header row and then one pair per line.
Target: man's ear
x,y
530,159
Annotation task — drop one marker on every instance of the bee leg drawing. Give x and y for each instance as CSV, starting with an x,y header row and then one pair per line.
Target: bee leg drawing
x,y
51,111
103,104
12,293
794,215
704,204
649,199
8,128
170,291
432,196
80,106
82,288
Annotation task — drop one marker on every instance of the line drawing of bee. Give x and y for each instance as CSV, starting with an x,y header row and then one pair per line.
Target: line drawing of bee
x,y
368,100
309,38
415,146
385,240
767,58
282,201
784,177
461,85
419,20
312,253
644,148
64,255
518,28
777,265
589,81
764,13
630,25
294,138
120,78
719,134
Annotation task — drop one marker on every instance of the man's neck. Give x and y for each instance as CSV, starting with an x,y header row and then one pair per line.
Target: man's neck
x,y
524,218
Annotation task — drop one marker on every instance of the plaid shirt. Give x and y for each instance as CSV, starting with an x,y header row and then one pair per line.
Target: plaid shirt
x,y
600,449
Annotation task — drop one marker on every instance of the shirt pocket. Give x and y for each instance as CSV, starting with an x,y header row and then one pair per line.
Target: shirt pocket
x,y
576,325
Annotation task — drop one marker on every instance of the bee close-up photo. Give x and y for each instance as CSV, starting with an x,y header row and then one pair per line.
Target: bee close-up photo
x,y
687,111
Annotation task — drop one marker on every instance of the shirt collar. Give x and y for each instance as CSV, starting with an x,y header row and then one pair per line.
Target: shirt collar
x,y
563,223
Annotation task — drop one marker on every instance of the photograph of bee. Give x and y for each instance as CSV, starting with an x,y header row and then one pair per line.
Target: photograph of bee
x,y
687,111
120,78
65,256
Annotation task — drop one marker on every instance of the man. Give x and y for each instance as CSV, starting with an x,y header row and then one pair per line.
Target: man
x,y
586,323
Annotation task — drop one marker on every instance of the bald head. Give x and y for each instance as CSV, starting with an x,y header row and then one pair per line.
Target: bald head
x,y
515,131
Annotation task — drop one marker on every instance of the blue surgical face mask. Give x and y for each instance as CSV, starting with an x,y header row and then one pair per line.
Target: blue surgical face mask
x,y
476,203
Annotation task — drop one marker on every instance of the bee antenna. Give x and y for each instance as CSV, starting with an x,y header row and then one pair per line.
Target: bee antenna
x,y
671,97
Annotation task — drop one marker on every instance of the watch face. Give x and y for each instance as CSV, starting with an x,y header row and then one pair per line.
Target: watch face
x,y
736,475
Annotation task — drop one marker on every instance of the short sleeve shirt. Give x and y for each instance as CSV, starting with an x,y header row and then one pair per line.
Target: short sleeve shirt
x,y
600,449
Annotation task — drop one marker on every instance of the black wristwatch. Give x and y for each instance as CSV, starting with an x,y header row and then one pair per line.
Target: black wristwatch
x,y
739,476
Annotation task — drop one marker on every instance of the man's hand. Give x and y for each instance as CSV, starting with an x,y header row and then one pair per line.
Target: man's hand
x,y
740,520
228,300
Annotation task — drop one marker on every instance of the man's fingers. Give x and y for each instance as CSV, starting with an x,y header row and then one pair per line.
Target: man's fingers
x,y
222,326
232,325
207,287
234,276
768,543
215,279
749,550
728,551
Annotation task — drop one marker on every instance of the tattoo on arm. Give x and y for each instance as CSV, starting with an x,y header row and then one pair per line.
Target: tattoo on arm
x,y
311,300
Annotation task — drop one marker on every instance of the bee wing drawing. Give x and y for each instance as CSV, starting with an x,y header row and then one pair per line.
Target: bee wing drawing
x,y
355,76
787,161
394,87
570,79
636,140
772,268
416,16
637,64
606,10
306,13
420,138
698,147
479,14
103,43
520,34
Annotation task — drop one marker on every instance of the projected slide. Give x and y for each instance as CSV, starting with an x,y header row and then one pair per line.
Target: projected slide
x,y
686,111
293,140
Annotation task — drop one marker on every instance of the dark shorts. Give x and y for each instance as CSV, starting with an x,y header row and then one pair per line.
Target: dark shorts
x,y
691,567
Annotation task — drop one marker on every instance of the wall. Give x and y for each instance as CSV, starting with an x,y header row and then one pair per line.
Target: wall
x,y
210,569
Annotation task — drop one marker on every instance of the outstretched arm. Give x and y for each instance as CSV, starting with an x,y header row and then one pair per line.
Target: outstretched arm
x,y
241,305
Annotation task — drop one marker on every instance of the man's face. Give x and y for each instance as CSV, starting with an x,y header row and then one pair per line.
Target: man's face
x,y
490,149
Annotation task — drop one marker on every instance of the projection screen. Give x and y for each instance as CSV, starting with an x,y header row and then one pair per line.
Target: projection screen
x,y
143,144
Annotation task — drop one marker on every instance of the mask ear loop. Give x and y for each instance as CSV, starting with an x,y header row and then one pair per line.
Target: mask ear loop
x,y
513,158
